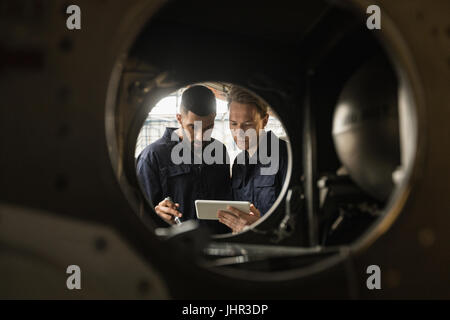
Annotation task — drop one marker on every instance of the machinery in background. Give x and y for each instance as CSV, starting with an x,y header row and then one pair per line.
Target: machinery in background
x,y
69,122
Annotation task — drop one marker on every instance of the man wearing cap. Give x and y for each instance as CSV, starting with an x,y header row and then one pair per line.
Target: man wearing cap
x,y
174,166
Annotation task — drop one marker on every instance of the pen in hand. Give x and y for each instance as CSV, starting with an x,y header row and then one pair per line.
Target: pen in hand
x,y
176,219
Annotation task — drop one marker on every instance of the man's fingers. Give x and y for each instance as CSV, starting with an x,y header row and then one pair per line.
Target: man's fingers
x,y
236,212
169,204
164,216
164,203
237,219
244,219
255,211
229,222
225,214
233,222
226,222
227,218
169,211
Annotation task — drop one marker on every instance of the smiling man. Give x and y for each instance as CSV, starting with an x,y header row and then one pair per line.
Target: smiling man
x,y
259,171
173,166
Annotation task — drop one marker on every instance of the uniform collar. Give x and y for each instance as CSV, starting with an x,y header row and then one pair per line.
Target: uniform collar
x,y
167,136
265,137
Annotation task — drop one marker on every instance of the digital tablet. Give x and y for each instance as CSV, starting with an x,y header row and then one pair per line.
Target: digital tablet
x,y
207,209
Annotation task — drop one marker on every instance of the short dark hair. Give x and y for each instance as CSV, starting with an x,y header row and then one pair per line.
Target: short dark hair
x,y
241,95
199,100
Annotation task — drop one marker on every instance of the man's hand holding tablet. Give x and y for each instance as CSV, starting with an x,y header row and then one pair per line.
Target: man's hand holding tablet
x,y
237,215
238,220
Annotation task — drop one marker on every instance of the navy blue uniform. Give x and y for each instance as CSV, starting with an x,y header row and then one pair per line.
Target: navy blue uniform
x,y
184,183
250,185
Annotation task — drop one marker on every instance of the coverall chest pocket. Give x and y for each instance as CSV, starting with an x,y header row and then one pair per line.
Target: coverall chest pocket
x,y
176,178
174,171
265,192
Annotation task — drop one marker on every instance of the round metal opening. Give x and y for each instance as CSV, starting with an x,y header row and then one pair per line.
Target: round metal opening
x,y
315,70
